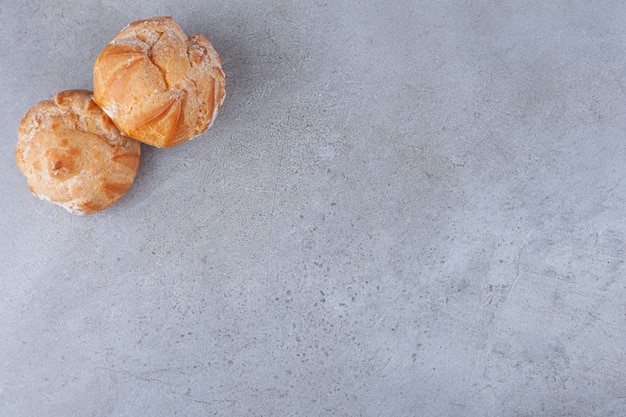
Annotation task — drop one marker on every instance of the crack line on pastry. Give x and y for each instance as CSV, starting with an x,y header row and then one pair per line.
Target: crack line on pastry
x,y
158,67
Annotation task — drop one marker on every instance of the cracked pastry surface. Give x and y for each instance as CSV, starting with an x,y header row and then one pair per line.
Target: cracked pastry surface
x,y
158,85
73,155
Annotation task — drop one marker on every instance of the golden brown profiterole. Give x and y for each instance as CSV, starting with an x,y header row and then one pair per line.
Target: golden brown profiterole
x,y
73,155
158,85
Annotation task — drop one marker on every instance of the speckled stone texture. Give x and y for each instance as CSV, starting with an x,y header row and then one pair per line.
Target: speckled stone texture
x,y
409,208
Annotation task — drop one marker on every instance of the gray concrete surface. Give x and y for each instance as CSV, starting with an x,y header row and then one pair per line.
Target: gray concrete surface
x,y
406,208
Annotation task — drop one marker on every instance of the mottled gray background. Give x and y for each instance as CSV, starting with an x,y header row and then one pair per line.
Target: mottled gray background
x,y
408,208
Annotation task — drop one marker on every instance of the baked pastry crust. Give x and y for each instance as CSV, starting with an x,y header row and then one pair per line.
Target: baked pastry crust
x,y
158,85
73,155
